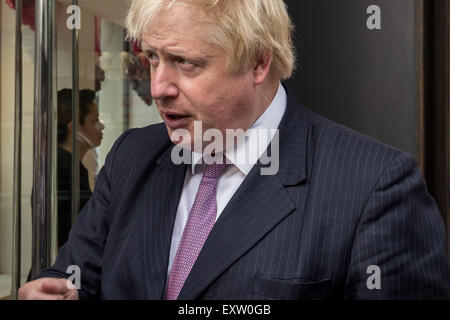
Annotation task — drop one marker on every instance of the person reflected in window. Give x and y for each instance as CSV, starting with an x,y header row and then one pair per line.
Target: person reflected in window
x,y
89,135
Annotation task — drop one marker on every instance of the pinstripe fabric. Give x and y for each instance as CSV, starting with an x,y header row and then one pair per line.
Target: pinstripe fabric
x,y
340,203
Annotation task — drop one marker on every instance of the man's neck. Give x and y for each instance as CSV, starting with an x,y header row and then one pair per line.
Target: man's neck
x,y
267,92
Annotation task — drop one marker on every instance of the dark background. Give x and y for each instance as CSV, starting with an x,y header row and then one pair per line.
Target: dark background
x,y
392,84
364,79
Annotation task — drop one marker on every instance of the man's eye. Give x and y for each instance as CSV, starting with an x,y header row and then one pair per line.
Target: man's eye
x,y
184,62
153,59
152,56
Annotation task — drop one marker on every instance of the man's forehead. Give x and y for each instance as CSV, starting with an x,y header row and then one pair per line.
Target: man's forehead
x,y
179,39
173,42
179,22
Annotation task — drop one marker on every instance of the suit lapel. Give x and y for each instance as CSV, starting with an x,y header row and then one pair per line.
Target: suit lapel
x,y
260,203
163,191
254,210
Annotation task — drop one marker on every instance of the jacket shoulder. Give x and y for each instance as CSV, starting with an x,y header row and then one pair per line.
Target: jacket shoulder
x,y
330,132
335,145
137,144
137,139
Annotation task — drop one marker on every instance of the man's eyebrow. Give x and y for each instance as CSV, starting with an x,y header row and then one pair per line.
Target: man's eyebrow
x,y
179,53
145,47
171,52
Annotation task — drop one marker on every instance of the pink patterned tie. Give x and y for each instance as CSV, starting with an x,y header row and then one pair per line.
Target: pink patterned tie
x,y
198,226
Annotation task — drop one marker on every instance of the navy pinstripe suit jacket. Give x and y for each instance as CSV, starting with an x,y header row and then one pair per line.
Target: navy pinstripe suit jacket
x,y
340,203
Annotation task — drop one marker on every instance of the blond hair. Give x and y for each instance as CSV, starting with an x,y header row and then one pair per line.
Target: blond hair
x,y
245,29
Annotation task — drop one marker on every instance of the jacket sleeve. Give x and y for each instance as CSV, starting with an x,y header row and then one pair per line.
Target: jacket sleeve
x,y
87,238
399,250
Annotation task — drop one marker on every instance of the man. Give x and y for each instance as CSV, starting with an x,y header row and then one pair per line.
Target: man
x,y
342,216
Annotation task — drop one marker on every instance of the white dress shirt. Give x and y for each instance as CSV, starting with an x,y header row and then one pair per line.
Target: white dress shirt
x,y
234,174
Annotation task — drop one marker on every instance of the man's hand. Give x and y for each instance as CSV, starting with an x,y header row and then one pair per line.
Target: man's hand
x,y
48,289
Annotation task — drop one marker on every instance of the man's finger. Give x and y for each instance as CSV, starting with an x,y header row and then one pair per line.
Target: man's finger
x,y
71,295
44,296
56,286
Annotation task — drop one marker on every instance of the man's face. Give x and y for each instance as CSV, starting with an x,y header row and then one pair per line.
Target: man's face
x,y
92,127
190,80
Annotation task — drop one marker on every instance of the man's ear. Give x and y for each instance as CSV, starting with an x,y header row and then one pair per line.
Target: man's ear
x,y
262,68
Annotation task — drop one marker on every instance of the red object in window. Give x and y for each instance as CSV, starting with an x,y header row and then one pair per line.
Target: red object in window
x,y
27,11
137,51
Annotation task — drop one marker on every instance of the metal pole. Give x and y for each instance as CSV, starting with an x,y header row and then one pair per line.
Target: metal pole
x,y
17,208
75,120
43,120
52,131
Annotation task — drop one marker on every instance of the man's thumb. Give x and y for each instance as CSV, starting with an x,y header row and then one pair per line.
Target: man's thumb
x,y
56,286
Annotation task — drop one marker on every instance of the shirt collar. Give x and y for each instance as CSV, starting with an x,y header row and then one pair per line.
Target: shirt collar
x,y
257,138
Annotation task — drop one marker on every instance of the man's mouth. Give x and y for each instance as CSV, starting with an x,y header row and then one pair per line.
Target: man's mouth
x,y
172,116
175,121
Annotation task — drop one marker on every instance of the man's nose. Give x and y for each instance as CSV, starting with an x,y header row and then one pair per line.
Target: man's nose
x,y
100,126
163,82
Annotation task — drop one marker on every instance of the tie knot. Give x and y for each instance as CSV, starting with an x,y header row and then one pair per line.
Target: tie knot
x,y
214,170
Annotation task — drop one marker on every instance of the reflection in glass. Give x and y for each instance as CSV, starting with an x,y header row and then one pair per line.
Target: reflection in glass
x,y
89,136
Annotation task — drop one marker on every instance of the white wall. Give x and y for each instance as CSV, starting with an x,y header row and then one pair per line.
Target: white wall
x,y
6,130
7,140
